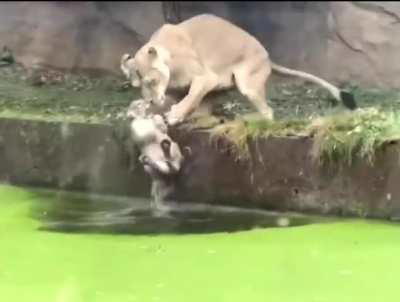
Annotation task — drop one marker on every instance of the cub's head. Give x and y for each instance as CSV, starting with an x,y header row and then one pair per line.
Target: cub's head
x,y
151,66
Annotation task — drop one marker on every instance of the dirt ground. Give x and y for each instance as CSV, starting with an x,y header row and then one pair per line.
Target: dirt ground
x,y
57,95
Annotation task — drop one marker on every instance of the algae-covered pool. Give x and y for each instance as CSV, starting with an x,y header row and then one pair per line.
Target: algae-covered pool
x,y
326,260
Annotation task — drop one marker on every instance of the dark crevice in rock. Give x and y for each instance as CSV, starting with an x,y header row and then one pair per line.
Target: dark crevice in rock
x,y
342,39
379,9
346,43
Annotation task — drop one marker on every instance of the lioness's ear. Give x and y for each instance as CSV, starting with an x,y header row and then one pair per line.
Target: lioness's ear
x,y
124,64
152,52
125,57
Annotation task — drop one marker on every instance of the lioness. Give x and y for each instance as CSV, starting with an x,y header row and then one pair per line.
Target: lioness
x,y
206,53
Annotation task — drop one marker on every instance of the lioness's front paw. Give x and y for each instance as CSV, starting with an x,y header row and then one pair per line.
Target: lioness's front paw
x,y
175,115
173,120
269,115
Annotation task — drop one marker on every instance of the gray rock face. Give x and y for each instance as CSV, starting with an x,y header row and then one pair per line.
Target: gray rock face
x,y
340,41
66,35
365,43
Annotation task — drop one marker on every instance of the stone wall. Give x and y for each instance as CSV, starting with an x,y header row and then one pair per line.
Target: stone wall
x,y
76,35
341,41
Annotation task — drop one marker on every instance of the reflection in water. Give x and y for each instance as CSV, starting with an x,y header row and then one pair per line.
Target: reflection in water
x,y
71,212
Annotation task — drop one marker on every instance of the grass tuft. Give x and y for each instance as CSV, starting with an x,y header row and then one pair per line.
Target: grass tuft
x,y
338,138
347,136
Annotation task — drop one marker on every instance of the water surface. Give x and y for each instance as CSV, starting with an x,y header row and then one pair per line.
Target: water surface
x,y
75,251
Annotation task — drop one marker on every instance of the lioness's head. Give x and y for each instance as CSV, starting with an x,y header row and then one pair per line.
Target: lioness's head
x,y
151,66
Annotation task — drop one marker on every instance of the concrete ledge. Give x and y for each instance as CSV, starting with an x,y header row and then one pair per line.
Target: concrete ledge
x,y
280,174
83,157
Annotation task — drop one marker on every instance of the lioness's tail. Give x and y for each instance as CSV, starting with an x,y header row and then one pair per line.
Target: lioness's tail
x,y
345,97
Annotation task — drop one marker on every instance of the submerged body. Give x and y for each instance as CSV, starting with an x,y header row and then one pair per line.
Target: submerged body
x,y
207,53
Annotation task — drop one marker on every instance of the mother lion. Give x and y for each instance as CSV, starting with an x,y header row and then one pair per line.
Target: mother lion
x,y
206,53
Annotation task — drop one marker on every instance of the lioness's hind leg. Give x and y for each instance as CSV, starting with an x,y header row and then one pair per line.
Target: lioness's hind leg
x,y
251,83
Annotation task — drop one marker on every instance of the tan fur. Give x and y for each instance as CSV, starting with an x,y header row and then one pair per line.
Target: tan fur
x,y
207,53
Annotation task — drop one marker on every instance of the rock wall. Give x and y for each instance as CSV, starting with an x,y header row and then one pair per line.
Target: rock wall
x,y
341,41
76,35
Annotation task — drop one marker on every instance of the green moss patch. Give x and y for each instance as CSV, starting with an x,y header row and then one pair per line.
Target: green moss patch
x,y
318,262
53,95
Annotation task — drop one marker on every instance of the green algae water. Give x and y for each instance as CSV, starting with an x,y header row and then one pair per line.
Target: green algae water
x,y
321,260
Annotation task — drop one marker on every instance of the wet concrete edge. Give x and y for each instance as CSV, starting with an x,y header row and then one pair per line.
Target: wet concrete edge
x,y
280,174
